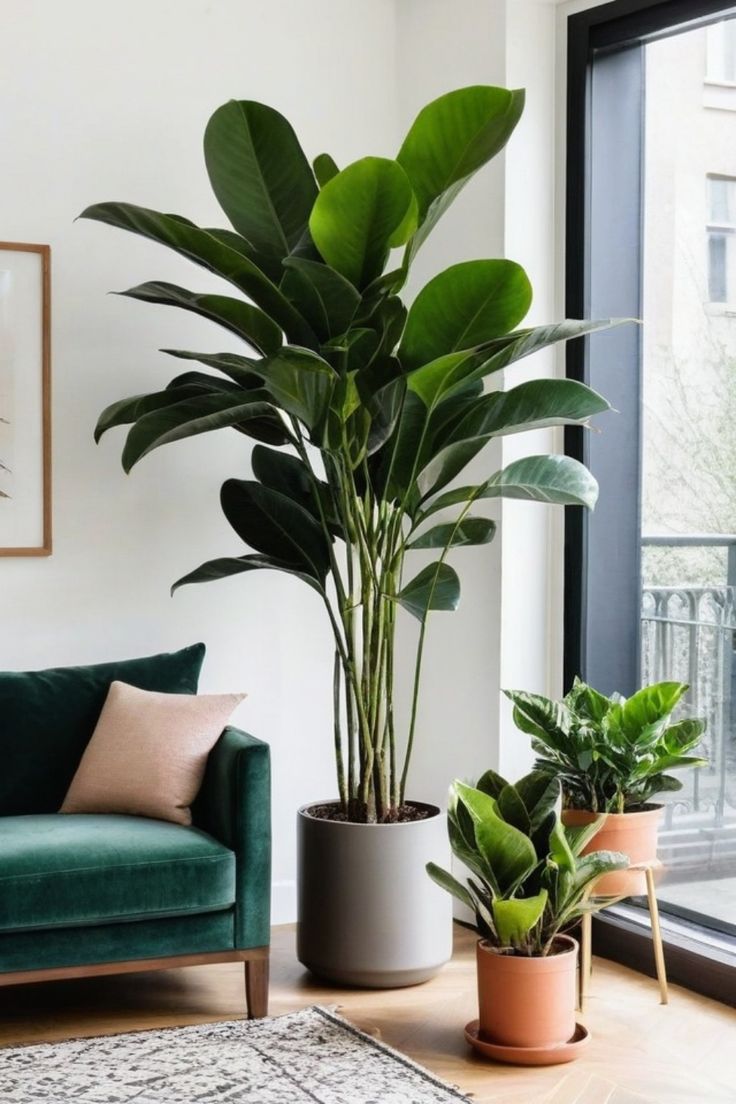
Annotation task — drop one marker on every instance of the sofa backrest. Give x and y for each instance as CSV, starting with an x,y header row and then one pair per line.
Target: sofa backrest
x,y
47,718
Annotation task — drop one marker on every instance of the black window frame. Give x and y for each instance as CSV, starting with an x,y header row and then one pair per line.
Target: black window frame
x,y
695,958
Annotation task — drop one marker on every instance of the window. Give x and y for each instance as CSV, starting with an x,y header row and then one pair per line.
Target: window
x,y
651,575
721,237
721,52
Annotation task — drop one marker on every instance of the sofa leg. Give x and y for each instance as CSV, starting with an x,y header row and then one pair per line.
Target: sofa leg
x,y
256,987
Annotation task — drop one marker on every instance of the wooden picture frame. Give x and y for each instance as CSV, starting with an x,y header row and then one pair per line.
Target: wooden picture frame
x,y
35,524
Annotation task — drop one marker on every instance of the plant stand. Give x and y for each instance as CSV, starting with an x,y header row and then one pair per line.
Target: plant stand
x,y
586,940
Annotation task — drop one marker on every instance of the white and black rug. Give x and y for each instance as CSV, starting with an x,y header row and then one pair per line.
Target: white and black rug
x,y
307,1057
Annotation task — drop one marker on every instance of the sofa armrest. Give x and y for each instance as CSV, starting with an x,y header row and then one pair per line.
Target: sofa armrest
x,y
234,806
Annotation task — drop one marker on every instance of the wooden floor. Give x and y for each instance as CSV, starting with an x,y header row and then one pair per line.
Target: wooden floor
x,y
682,1054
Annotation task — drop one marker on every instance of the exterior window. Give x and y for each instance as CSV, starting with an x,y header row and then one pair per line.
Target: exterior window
x,y
721,52
721,232
651,574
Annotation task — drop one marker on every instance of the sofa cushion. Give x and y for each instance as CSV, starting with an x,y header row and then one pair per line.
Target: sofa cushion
x,y
47,718
148,754
61,871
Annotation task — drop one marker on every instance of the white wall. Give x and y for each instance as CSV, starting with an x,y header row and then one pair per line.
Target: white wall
x,y
97,106
441,46
101,105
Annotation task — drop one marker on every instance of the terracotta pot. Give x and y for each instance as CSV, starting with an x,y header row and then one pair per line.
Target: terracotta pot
x,y
527,1002
635,834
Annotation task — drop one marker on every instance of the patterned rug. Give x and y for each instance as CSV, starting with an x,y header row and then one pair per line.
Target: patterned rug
x,y
307,1057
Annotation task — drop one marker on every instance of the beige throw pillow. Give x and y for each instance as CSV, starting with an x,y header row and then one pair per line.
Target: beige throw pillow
x,y
148,753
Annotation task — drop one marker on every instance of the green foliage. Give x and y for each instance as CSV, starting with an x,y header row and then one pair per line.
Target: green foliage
x,y
376,408
611,754
529,880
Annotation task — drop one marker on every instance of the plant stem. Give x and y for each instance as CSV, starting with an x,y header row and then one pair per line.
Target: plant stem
x,y
420,652
342,789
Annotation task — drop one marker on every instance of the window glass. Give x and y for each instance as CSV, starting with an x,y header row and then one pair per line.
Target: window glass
x,y
688,499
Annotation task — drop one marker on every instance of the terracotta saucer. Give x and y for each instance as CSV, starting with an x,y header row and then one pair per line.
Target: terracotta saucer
x,y
529,1056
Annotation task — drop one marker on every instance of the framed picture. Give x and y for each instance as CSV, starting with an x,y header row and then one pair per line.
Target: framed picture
x,y
25,399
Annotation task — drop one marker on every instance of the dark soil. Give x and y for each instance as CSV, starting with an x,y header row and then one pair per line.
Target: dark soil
x,y
404,814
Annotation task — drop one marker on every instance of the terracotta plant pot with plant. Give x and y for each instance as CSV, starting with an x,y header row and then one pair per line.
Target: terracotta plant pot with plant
x,y
612,756
364,410
530,883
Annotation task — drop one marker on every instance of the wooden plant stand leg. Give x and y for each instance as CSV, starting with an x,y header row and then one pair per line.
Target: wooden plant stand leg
x,y
586,958
256,987
657,937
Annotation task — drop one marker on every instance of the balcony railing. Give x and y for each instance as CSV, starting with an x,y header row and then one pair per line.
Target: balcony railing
x,y
689,633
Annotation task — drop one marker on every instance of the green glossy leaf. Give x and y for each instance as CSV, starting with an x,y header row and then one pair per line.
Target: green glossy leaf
x,y
386,321
189,418
284,473
127,411
409,446
553,479
587,702
438,378
507,851
663,763
579,838
436,587
559,480
471,530
447,464
591,867
270,428
290,476
462,840
325,168
198,382
360,347
300,382
449,374
274,525
464,306
548,720
661,783
647,711
213,254
512,809
540,794
536,404
359,215
450,139
684,735
240,318
491,783
559,848
483,916
260,175
523,343
445,880
321,295
385,409
226,566
514,919
237,368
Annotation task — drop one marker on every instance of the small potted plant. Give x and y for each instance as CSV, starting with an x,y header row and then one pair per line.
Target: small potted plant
x,y
612,756
529,884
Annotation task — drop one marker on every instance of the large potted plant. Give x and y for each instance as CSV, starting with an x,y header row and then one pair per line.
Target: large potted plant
x,y
612,756
365,411
529,885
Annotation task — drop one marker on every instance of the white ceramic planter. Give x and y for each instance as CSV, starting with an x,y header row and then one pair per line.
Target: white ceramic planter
x,y
369,914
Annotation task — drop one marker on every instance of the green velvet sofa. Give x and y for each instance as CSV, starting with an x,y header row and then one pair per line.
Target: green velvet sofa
x,y
85,894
